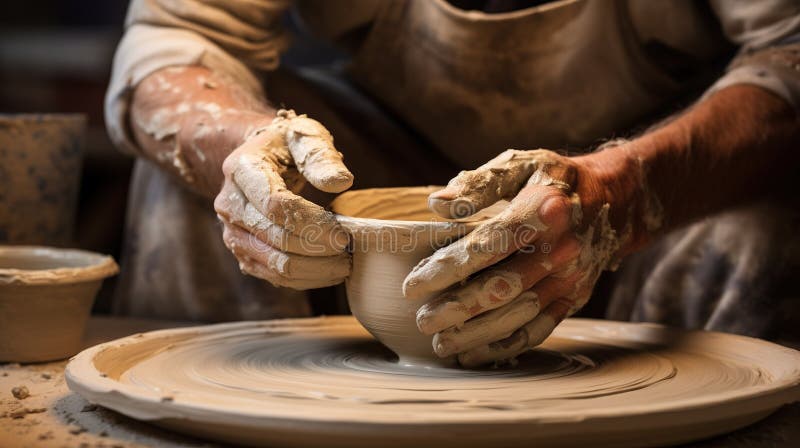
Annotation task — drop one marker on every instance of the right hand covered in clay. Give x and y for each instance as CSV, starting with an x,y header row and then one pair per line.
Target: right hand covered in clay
x,y
535,263
274,233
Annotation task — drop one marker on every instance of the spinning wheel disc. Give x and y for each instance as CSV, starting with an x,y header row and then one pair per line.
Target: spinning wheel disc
x,y
325,381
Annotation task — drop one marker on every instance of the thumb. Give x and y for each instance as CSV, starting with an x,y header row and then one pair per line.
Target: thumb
x,y
500,178
471,191
311,146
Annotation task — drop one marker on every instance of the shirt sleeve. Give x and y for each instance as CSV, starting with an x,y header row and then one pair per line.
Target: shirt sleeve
x,y
230,37
768,33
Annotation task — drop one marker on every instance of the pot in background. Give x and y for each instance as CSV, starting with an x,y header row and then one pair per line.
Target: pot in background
x,y
41,156
46,296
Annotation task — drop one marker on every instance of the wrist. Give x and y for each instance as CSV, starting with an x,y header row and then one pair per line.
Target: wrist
x,y
190,129
616,175
207,139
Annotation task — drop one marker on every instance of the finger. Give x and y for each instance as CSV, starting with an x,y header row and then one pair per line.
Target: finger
x,y
470,191
536,213
530,335
256,176
288,265
494,288
282,269
232,208
500,178
487,291
255,269
490,326
501,322
311,146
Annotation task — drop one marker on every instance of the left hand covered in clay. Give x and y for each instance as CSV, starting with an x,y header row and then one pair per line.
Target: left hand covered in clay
x,y
539,258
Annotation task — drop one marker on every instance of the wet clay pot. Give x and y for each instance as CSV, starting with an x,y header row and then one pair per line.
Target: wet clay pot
x,y
391,230
46,296
40,170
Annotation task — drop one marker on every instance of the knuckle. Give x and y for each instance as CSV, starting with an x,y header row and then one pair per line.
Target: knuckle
x,y
568,248
511,154
502,285
222,203
229,164
556,204
227,235
556,210
540,151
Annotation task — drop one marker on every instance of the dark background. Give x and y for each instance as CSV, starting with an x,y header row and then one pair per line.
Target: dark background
x,y
55,56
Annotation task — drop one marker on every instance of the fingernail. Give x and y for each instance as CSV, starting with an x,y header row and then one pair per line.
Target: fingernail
x,y
446,194
443,347
425,323
408,288
439,206
441,351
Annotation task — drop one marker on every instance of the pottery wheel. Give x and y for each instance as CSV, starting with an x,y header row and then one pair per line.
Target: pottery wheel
x,y
326,382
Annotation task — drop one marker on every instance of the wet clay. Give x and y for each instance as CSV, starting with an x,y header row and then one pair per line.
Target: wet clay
x,y
258,198
327,382
391,230
46,295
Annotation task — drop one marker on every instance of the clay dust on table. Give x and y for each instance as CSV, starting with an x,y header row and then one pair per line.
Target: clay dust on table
x,y
38,410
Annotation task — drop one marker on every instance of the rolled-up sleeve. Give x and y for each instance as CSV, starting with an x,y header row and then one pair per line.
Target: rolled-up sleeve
x,y
768,33
230,37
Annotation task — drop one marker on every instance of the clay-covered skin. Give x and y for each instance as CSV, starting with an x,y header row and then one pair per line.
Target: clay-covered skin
x,y
222,141
544,253
276,234
587,211
570,218
187,119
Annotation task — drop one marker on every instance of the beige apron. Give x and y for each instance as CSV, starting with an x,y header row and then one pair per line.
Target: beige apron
x,y
559,75
472,84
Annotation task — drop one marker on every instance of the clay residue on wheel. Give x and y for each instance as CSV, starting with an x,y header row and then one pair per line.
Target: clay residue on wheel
x,y
590,375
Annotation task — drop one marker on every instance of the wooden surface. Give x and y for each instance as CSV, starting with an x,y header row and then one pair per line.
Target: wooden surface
x,y
56,417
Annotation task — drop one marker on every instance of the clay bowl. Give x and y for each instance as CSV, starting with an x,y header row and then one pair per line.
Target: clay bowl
x,y
391,230
46,295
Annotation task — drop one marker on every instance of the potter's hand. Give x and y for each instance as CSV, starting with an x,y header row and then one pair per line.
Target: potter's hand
x,y
555,243
275,234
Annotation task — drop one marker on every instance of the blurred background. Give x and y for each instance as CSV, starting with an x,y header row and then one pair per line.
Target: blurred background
x,y
55,56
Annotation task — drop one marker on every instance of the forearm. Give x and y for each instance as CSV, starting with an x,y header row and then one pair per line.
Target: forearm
x,y
188,119
738,145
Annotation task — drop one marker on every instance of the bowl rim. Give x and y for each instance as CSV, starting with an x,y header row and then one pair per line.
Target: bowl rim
x,y
100,266
355,223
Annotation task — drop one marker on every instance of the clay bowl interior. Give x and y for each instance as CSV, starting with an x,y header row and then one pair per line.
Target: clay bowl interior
x,y
391,230
46,295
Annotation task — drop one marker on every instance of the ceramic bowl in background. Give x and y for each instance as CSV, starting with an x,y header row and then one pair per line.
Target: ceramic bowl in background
x,y
46,296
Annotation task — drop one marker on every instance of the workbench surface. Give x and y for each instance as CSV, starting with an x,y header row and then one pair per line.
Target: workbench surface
x,y
53,416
